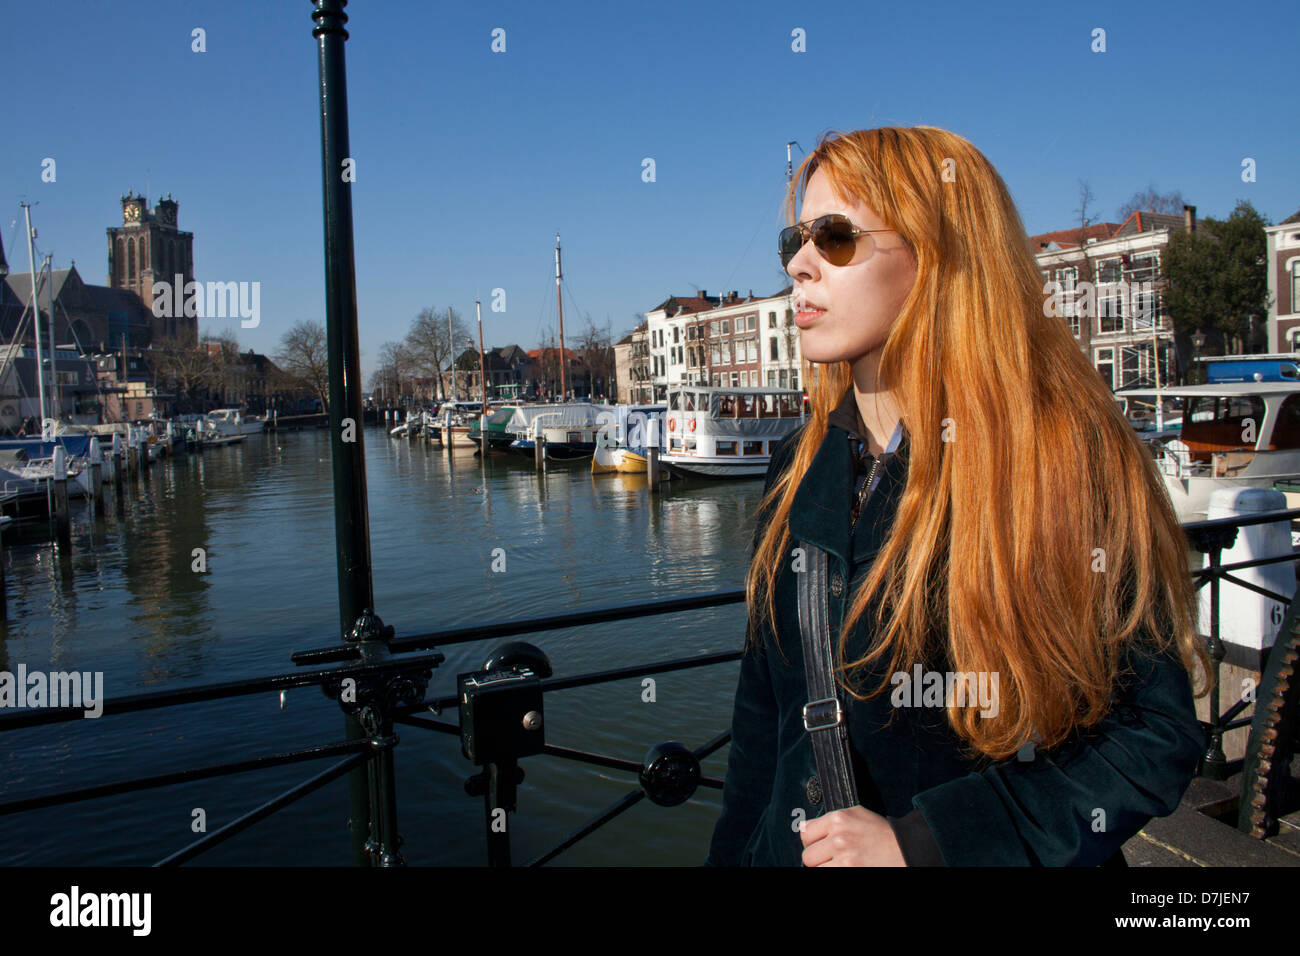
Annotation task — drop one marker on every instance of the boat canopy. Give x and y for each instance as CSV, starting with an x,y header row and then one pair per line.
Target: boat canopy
x,y
1223,389
575,415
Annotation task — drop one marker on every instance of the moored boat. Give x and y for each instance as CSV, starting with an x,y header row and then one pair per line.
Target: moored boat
x,y
727,432
1232,435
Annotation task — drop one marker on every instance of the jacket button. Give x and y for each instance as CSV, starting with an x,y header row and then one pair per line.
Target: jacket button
x,y
814,790
837,584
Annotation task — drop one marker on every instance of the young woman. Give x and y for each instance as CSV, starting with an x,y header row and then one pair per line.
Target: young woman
x,y
992,525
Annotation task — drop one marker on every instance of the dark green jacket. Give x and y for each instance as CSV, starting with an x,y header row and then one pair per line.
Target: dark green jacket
x,y
1074,805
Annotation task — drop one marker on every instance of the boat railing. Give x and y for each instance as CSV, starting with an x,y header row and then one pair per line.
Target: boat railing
x,y
389,676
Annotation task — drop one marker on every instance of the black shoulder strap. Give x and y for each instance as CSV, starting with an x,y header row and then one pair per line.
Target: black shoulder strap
x,y
823,715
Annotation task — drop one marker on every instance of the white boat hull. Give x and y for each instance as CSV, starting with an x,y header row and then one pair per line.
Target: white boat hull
x,y
702,467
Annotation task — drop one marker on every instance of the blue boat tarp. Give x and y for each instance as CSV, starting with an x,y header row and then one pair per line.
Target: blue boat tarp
x,y
76,446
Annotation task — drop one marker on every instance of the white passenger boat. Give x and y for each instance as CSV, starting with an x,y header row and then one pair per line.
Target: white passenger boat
x,y
231,421
727,432
1233,435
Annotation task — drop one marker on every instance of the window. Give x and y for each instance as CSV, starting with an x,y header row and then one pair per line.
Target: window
x,y
725,448
789,316
771,320
1108,270
715,353
735,379
689,403
794,378
773,349
726,354
690,444
1110,310
713,329
751,448
674,444
677,333
784,379
574,437
771,378
726,326
1144,267
751,350
1106,366
1067,277
751,323
1286,431
1295,285
1214,423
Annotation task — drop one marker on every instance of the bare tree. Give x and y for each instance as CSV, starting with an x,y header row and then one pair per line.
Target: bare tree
x,y
304,354
186,366
597,354
432,346
1151,201
396,365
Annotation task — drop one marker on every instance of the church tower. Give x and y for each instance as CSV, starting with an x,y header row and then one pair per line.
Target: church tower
x,y
148,248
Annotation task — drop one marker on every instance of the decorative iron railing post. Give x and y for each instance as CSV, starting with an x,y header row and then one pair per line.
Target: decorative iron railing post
x,y
347,449
1215,760
1212,541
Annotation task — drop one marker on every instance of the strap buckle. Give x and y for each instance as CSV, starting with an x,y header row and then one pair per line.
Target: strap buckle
x,y
824,714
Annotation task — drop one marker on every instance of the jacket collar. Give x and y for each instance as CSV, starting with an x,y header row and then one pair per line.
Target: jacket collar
x,y
819,513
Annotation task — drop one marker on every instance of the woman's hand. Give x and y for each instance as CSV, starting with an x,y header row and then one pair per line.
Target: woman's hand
x,y
852,837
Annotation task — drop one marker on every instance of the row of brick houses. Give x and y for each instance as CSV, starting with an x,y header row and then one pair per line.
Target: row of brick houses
x,y
728,340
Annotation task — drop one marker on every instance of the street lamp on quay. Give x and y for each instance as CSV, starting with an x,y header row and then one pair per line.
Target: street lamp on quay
x,y
1198,340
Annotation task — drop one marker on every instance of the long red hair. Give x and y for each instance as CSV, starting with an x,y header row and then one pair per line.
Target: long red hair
x,y
1003,528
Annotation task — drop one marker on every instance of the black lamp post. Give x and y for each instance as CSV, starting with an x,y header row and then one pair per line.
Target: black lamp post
x,y
1198,340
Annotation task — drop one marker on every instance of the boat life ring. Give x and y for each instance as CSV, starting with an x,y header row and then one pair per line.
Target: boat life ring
x,y
672,424
692,425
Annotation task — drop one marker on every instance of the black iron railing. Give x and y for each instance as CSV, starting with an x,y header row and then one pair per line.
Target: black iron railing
x,y
381,680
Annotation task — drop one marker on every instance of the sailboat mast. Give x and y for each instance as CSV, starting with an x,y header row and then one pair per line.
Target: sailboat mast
x,y
56,392
559,304
36,312
451,356
482,363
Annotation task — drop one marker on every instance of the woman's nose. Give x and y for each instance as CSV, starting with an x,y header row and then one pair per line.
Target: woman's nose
x,y
802,264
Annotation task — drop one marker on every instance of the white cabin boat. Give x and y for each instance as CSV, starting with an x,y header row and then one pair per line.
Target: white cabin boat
x,y
1233,435
231,421
727,432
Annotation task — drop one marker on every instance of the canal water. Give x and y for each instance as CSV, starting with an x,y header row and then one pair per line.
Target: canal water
x,y
126,600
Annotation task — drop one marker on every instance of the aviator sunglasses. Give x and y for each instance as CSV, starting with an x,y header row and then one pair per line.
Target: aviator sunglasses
x,y
834,236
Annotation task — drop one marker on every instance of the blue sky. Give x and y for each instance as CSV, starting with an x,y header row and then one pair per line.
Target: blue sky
x,y
469,161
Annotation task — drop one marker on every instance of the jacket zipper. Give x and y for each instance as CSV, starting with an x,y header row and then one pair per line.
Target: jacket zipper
x,y
862,496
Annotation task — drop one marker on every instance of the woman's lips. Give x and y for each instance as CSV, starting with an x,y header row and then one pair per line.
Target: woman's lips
x,y
807,317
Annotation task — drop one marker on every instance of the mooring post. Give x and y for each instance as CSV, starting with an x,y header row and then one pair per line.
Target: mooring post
x,y
96,458
119,464
351,509
4,600
62,521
